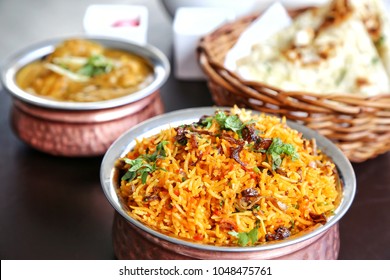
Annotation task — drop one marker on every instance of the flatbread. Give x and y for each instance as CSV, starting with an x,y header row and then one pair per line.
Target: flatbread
x,y
376,20
326,50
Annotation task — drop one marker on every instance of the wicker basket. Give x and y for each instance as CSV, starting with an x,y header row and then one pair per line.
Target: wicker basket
x,y
360,126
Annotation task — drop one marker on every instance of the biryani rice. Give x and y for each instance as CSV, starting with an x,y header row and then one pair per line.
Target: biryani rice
x,y
200,190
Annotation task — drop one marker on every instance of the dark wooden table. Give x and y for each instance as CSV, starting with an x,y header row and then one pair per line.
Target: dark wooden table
x,y
54,207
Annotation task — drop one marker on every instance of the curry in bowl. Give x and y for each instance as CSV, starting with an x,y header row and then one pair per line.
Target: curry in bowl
x,y
231,178
81,70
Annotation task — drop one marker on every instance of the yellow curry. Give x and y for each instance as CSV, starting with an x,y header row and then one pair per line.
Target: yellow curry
x,y
85,71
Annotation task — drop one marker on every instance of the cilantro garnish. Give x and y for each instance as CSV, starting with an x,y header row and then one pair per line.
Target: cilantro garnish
x,y
144,164
229,122
234,123
207,122
279,148
159,153
220,117
245,237
225,121
96,65
138,168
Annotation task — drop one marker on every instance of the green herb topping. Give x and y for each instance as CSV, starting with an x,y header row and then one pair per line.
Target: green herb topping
x,y
96,65
279,148
144,164
245,237
225,121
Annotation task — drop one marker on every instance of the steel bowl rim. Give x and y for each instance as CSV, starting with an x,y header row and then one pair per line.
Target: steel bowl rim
x,y
126,141
14,62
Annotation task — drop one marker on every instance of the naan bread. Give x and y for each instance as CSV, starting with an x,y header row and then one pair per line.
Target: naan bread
x,y
326,50
375,18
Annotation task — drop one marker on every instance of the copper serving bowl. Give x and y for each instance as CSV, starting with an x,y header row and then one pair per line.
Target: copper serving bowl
x,y
134,240
81,128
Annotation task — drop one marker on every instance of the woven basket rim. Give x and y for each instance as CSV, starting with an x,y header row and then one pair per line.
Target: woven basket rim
x,y
205,57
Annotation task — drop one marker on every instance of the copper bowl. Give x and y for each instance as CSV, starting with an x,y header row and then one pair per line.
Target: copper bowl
x,y
80,128
134,240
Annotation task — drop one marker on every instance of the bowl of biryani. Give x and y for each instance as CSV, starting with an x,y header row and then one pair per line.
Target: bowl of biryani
x,y
73,96
225,183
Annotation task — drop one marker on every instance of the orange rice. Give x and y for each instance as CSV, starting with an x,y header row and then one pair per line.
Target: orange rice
x,y
209,185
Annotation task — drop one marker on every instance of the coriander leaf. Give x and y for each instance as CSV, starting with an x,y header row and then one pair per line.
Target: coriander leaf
x,y
234,123
225,121
86,70
253,235
233,233
128,161
160,148
207,121
220,117
289,150
144,176
276,161
229,122
135,164
129,176
144,164
245,237
278,148
242,237
96,65
149,158
160,152
147,168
